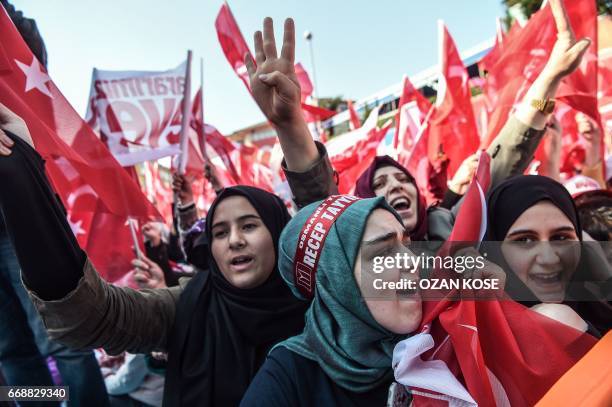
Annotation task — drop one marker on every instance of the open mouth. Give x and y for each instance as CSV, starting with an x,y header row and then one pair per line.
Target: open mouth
x,y
545,279
241,261
400,204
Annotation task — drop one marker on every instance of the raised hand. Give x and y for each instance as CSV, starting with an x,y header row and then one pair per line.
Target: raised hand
x,y
552,149
182,186
148,274
567,53
564,58
276,90
462,178
210,173
274,84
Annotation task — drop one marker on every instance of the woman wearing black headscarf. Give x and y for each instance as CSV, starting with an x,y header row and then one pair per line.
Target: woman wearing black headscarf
x,y
535,234
223,333
217,328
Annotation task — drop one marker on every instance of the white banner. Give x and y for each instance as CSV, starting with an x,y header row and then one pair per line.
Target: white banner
x,y
137,113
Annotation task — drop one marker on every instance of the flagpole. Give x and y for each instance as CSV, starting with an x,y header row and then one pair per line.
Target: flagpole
x,y
184,138
499,31
131,223
202,87
441,90
182,159
308,37
201,112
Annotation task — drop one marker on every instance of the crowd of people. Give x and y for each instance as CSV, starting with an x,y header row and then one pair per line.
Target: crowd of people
x,y
247,326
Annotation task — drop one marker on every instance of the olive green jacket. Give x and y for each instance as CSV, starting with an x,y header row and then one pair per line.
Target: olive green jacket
x,y
97,314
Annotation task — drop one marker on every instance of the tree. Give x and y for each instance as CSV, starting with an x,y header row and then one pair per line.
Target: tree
x,y
331,103
528,7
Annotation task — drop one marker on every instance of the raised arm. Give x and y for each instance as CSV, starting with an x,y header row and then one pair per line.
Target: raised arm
x,y
100,315
514,146
552,149
76,305
276,90
187,210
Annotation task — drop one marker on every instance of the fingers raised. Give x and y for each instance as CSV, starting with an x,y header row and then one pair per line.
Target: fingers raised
x,y
269,43
250,66
260,57
561,19
139,264
149,262
288,50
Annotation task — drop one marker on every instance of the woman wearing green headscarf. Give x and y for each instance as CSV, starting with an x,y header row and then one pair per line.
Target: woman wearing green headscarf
x,y
344,355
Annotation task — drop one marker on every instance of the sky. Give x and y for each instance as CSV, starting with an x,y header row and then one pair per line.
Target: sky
x,y
360,47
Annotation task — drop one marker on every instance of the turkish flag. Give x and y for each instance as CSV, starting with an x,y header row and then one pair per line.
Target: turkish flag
x,y
209,136
195,160
579,90
158,187
105,237
605,93
224,148
453,134
490,59
354,122
315,113
235,47
232,42
406,127
77,162
430,179
502,352
471,223
351,160
526,52
304,80
411,140
491,86
59,132
240,164
112,255
252,172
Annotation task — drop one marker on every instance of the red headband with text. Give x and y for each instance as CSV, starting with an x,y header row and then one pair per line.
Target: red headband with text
x,y
312,239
